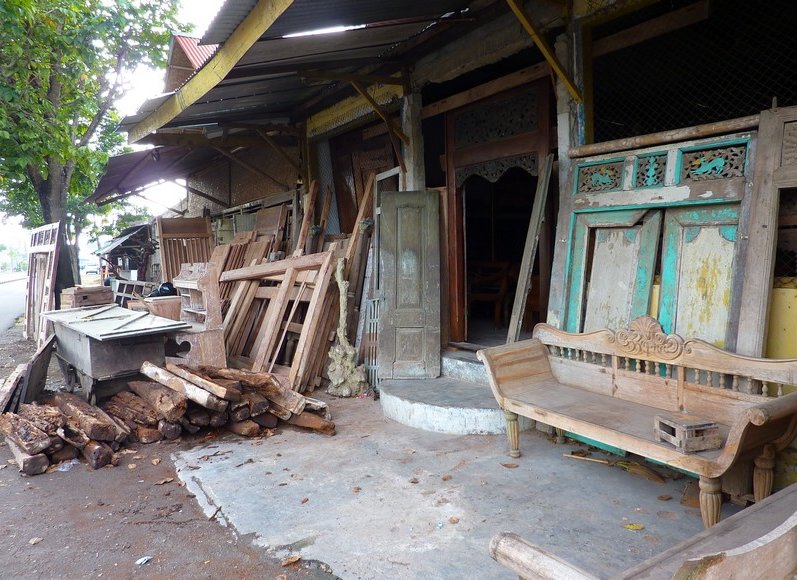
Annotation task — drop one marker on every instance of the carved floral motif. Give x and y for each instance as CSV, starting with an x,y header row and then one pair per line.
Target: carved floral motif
x,y
645,338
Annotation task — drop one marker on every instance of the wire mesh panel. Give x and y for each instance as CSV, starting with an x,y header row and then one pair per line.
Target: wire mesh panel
x,y
730,65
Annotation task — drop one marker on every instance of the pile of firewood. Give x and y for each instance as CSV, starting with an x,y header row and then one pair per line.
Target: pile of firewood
x,y
178,399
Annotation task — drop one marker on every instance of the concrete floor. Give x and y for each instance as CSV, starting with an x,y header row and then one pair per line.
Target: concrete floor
x,y
381,500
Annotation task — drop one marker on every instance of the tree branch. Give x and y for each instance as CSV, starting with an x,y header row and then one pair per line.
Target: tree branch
x,y
106,102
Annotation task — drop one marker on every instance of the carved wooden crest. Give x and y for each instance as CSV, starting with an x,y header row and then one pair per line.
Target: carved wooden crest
x,y
645,338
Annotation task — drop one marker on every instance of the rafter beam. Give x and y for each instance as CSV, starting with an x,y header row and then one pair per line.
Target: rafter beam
x,y
202,194
257,22
248,166
282,153
199,140
545,49
391,125
332,75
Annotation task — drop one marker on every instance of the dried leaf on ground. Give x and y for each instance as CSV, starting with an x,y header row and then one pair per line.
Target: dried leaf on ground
x,y
291,559
131,465
510,465
665,497
408,451
34,541
156,461
634,527
446,477
356,489
414,480
164,481
305,500
453,520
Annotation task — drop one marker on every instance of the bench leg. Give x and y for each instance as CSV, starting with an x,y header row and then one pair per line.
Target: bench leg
x,y
560,436
710,500
512,433
764,473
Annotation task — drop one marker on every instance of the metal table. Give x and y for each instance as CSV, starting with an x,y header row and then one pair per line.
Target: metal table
x,y
101,347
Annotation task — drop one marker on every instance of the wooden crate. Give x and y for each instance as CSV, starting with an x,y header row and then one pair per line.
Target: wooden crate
x,y
687,433
79,296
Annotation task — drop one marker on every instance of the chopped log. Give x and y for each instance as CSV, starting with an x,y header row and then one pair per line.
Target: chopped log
x,y
198,416
98,454
28,464
93,421
171,431
279,411
167,403
122,432
66,453
258,404
148,434
228,383
27,436
72,434
131,408
245,428
318,407
45,417
269,385
266,420
314,422
218,420
10,386
239,410
189,375
188,426
185,388
56,445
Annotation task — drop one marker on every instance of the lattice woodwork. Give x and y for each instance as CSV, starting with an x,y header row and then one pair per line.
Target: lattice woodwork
x,y
600,177
650,170
493,170
714,163
496,120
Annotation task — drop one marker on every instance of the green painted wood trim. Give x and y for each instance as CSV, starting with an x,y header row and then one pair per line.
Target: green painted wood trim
x,y
598,444
578,167
646,264
679,163
662,205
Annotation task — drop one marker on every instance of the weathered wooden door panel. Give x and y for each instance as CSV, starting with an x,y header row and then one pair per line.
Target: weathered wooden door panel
x,y
409,257
612,264
697,271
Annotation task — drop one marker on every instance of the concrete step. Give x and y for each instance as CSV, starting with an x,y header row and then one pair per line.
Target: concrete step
x,y
464,366
443,405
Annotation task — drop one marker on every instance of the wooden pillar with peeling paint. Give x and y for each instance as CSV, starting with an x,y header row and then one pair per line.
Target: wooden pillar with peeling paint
x,y
411,124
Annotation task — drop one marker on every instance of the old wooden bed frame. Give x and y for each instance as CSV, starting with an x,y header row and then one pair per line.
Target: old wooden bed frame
x,y
609,386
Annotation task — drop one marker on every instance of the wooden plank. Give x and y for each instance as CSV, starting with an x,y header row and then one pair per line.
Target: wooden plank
x,y
300,264
271,324
37,373
246,34
10,385
530,250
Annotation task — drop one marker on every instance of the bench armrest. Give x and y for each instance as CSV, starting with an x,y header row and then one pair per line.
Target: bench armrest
x,y
530,561
774,409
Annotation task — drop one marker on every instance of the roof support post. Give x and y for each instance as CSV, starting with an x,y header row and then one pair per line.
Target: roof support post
x,y
545,49
259,20
411,119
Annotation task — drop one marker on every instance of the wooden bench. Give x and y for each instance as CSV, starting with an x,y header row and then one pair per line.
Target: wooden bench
x,y
609,387
759,542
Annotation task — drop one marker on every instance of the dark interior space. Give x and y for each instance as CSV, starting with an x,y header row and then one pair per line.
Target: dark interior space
x,y
731,65
496,223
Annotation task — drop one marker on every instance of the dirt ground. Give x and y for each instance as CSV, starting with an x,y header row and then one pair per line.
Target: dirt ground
x,y
83,523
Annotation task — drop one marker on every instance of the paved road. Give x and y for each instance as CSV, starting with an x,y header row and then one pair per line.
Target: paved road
x,y
12,302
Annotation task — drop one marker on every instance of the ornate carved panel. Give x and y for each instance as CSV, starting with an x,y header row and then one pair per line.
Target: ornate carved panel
x,y
493,170
496,120
645,338
650,170
600,177
714,163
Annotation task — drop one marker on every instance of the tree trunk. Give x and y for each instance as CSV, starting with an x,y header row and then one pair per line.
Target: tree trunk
x,y
52,198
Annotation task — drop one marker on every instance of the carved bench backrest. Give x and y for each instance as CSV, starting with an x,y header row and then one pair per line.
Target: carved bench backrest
x,y
666,371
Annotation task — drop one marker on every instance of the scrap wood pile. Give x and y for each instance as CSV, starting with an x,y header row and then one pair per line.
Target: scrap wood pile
x,y
178,399
280,316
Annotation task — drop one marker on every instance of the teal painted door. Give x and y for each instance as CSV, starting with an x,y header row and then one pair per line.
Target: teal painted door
x,y
698,252
612,265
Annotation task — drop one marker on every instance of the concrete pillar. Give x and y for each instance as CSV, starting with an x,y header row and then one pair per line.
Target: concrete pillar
x,y
411,125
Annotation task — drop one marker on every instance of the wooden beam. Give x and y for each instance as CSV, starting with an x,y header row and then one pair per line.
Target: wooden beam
x,y
652,28
250,167
207,196
257,22
664,137
392,127
276,127
393,131
267,138
260,271
360,78
499,85
545,49
199,140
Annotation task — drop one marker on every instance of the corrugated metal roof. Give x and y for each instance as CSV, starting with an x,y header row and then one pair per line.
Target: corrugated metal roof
x,y
126,174
197,54
307,15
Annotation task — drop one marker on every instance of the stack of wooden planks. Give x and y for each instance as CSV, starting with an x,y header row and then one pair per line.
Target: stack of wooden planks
x,y
178,399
